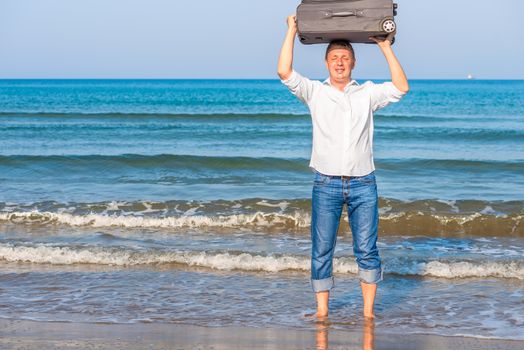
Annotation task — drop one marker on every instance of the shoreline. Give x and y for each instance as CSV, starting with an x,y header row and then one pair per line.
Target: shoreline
x,y
24,334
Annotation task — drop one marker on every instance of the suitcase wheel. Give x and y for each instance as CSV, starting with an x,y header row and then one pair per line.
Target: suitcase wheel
x,y
389,26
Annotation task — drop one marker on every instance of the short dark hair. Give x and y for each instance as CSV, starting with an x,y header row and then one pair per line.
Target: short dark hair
x,y
340,44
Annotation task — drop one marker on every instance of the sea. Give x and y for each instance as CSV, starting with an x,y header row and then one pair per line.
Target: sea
x,y
188,202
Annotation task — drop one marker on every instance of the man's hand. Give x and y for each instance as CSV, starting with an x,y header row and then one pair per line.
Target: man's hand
x,y
292,22
384,42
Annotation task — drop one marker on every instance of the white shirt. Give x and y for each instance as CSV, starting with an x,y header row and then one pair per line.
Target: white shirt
x,y
342,122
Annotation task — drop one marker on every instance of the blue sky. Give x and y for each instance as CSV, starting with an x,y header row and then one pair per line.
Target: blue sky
x,y
241,39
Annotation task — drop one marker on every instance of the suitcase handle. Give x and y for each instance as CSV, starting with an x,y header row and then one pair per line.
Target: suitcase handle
x,y
341,14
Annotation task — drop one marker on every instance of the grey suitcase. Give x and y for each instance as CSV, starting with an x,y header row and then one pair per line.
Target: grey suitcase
x,y
321,21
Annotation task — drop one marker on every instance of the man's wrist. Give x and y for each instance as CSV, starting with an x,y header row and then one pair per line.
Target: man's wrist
x,y
386,47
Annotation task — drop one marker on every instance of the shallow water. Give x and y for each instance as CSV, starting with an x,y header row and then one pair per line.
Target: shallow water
x,y
474,307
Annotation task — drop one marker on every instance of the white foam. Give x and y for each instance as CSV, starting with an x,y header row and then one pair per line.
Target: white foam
x,y
451,203
393,216
149,208
41,253
459,269
296,219
282,205
115,205
488,210
49,254
193,218
191,211
384,210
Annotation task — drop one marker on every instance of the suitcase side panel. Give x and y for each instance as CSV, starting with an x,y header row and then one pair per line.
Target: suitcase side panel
x,y
324,21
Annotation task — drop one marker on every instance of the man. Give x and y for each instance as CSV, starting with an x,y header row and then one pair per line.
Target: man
x,y
342,158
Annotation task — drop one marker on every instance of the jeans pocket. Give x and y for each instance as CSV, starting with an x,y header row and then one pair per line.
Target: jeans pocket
x,y
320,179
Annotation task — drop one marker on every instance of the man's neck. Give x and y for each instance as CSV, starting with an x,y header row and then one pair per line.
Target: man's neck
x,y
340,85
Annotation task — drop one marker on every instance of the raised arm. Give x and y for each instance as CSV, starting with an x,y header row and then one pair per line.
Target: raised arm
x,y
398,77
285,62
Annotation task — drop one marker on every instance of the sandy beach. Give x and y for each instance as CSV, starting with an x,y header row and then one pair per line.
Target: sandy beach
x,y
60,335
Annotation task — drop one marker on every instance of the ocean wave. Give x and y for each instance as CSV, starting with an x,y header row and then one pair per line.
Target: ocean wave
x,y
421,217
194,221
148,116
244,261
440,134
398,223
165,161
515,166
386,117
179,163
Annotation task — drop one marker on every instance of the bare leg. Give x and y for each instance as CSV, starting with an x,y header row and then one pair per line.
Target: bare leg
x,y
368,294
322,304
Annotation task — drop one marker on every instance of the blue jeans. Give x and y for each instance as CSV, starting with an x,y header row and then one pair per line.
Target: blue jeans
x,y
330,193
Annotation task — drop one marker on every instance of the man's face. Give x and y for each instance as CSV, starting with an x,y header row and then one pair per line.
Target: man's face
x,y
340,63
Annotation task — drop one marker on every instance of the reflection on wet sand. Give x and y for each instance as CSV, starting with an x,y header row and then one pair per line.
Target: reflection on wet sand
x,y
322,334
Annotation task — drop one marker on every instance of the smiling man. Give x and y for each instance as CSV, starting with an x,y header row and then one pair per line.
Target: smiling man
x,y
342,159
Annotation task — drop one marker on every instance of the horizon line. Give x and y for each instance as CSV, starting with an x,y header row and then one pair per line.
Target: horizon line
x,y
268,79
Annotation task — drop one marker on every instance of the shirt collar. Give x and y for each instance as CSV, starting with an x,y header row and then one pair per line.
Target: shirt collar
x,y
351,83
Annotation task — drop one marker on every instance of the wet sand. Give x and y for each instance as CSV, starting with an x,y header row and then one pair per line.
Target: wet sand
x,y
58,335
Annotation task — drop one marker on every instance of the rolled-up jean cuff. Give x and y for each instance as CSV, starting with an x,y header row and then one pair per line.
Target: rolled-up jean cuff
x,y
323,284
371,276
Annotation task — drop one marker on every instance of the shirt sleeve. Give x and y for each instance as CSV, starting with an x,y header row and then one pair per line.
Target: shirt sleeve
x,y
384,94
300,86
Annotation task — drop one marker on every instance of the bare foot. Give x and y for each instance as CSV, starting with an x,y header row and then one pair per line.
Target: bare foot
x,y
322,314
369,316
322,320
317,317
